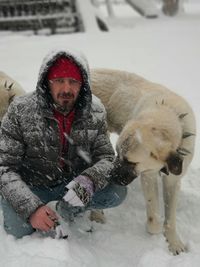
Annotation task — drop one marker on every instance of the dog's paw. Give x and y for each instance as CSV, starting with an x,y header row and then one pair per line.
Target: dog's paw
x,y
176,246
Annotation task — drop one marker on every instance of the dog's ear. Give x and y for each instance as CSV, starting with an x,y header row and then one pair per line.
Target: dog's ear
x,y
175,163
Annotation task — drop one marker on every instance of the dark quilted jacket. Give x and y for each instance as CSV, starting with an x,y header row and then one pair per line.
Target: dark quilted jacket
x,y
30,149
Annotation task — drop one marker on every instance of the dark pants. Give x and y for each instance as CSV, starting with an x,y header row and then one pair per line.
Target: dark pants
x,y
111,196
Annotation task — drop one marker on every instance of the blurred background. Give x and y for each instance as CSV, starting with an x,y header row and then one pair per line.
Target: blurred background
x,y
69,16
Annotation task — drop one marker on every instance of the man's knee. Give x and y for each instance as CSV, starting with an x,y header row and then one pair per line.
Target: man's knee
x,y
120,194
13,224
18,231
111,196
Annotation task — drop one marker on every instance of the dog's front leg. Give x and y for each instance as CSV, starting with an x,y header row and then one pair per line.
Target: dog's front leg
x,y
150,190
171,186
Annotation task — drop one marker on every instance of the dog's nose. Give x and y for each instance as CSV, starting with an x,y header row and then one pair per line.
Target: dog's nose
x,y
123,172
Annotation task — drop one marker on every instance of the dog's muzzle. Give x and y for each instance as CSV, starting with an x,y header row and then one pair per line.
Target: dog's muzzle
x,y
123,172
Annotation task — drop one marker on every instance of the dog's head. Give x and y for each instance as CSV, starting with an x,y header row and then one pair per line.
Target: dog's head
x,y
144,147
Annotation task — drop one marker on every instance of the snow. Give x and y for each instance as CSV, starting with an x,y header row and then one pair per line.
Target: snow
x,y
164,50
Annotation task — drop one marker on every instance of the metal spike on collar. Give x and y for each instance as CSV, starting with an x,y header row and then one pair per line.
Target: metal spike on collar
x,y
11,98
5,84
181,116
10,86
183,151
187,134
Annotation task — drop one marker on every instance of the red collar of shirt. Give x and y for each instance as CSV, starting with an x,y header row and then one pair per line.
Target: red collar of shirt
x,y
64,124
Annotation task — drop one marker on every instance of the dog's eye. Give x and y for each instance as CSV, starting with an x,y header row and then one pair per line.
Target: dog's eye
x,y
153,155
129,162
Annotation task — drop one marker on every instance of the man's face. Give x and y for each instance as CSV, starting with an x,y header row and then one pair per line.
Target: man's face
x,y
65,92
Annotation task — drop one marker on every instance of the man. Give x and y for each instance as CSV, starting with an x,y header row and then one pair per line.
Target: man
x,y
54,146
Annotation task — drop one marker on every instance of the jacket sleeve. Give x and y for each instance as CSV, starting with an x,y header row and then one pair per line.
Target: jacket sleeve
x,y
12,149
102,154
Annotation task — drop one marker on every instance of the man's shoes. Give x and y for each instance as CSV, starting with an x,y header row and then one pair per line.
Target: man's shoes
x,y
98,216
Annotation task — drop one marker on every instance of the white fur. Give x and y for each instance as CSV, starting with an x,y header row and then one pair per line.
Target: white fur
x,y
9,88
147,118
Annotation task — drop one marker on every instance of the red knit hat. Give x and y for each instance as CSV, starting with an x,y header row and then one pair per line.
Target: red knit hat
x,y
64,68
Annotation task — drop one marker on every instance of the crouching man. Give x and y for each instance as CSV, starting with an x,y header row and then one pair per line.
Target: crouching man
x,y
54,146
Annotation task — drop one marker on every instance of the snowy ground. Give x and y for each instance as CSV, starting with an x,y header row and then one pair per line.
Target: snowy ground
x,y
165,51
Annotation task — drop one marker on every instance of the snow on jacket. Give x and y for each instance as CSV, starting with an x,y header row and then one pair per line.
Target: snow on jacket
x,y
30,147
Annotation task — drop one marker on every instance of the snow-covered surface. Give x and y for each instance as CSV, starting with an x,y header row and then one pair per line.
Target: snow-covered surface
x,y
166,51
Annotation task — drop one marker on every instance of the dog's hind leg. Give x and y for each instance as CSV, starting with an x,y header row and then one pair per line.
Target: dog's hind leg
x,y
171,185
150,190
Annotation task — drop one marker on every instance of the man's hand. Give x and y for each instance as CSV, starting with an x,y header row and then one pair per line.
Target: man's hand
x,y
71,196
43,218
80,191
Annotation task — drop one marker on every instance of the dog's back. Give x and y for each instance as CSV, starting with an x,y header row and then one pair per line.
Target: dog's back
x,y
128,94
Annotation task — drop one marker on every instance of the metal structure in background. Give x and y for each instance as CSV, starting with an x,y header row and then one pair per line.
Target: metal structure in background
x,y
146,8
170,7
56,15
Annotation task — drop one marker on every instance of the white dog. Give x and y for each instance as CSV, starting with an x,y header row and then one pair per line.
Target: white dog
x,y
156,130
9,88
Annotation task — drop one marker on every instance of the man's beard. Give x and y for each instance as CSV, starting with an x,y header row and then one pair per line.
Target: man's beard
x,y
66,106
